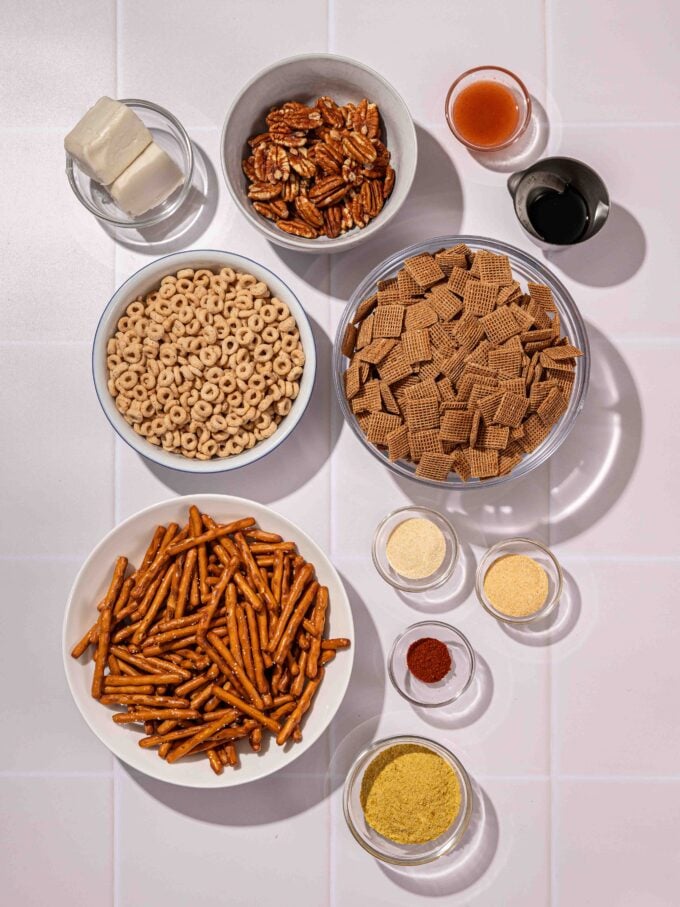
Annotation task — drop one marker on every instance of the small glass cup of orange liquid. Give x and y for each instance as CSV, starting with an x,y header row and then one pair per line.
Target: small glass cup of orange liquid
x,y
488,108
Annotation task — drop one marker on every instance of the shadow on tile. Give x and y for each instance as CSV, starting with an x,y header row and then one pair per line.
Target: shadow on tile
x,y
464,867
186,225
452,593
307,781
434,206
591,470
525,151
485,515
555,626
583,479
471,705
611,257
287,467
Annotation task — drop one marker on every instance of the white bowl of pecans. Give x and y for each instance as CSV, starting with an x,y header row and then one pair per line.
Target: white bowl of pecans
x,y
318,152
204,361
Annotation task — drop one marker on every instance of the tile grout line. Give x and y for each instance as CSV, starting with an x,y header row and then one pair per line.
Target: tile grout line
x,y
115,785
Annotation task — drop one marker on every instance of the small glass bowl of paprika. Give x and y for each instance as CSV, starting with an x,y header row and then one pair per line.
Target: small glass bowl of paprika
x,y
431,663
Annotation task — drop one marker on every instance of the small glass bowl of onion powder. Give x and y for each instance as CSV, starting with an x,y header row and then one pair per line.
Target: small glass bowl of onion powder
x,y
415,549
518,580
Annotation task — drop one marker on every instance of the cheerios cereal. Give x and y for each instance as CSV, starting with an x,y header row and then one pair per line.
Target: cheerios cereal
x,y
206,365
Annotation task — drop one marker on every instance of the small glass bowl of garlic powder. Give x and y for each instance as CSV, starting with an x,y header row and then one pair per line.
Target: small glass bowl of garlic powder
x,y
415,549
519,580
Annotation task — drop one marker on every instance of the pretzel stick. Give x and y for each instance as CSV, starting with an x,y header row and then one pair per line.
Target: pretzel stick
x,y
232,624
232,755
248,592
216,595
154,715
286,578
156,739
169,702
104,640
210,535
136,613
201,734
196,682
194,592
290,601
144,580
142,679
297,685
123,597
152,550
261,536
123,691
283,710
82,645
327,656
171,602
277,578
339,642
291,628
154,608
244,641
185,581
258,666
148,665
163,750
254,571
114,667
236,669
263,633
255,739
303,704
249,710
217,659
196,527
222,753
215,761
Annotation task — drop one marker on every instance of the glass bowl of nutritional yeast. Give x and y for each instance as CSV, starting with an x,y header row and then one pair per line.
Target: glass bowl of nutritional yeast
x,y
407,800
372,408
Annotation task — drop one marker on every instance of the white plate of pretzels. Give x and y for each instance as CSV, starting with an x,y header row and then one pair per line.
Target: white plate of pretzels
x,y
207,641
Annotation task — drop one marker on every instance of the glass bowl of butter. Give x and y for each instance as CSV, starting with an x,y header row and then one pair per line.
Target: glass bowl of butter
x,y
129,162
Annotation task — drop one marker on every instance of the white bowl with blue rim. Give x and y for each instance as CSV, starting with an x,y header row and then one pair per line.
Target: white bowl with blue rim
x,y
148,279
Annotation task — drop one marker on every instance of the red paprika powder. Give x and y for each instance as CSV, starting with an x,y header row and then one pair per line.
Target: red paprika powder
x,y
428,659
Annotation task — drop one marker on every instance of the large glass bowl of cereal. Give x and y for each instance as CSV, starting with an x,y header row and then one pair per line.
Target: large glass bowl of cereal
x,y
461,362
204,361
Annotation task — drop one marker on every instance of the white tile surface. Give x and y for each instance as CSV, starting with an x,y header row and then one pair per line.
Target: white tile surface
x,y
57,451
57,841
199,845
557,715
233,41
465,35
614,61
613,702
36,595
617,843
69,272
503,859
603,495
57,59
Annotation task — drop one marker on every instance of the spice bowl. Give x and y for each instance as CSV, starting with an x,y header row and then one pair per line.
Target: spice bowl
x,y
503,78
172,137
456,680
539,553
383,848
385,568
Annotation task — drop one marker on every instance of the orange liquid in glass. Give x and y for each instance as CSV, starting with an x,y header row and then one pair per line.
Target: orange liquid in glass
x,y
485,114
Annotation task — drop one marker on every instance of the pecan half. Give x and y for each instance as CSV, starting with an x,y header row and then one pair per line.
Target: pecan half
x,y
308,211
328,191
301,163
359,147
366,119
248,164
264,192
260,163
301,117
297,228
372,200
277,168
331,114
388,185
291,188
272,210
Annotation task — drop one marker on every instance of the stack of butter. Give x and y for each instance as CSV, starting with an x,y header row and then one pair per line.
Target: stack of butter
x,y
114,147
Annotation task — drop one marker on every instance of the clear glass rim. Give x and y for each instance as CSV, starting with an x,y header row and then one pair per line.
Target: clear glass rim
x,y
466,788
497,549
408,587
521,126
567,308
185,141
450,629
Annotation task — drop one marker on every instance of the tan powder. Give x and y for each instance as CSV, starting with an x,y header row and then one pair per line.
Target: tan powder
x,y
416,548
516,585
409,794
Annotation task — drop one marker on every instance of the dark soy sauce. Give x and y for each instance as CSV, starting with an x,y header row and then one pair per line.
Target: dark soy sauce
x,y
559,217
